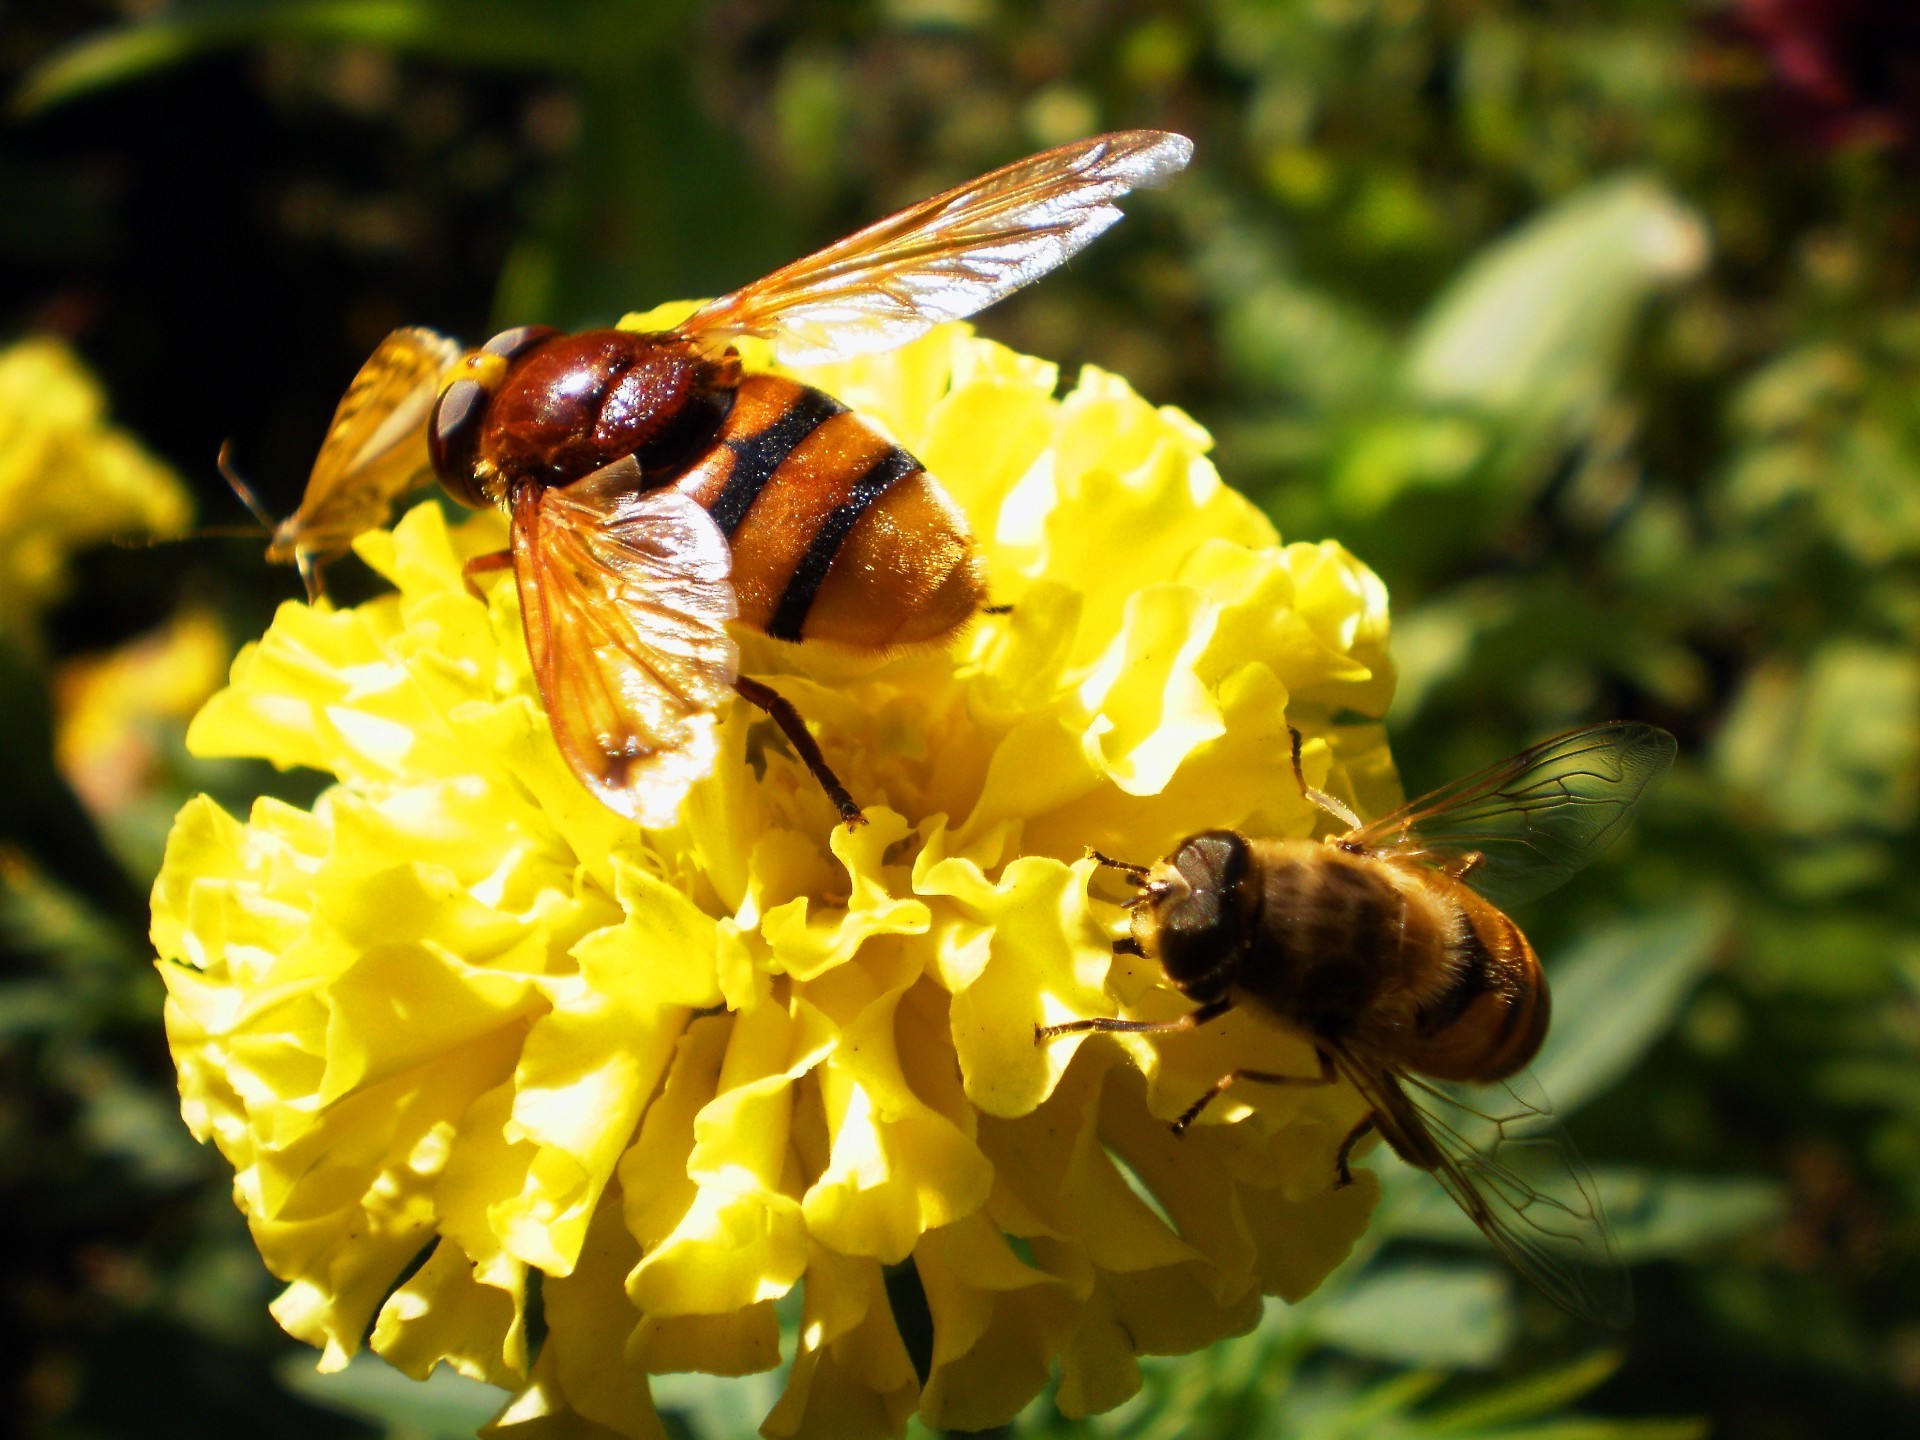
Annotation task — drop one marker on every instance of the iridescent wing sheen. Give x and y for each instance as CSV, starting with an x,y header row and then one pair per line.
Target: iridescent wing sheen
x,y
946,257
1510,1167
1533,818
375,451
626,594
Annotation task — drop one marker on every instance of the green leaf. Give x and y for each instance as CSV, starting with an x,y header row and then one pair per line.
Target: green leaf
x,y
1422,1315
447,1406
718,1407
1650,1215
1616,994
568,35
1831,747
1655,1216
1531,1398
1534,327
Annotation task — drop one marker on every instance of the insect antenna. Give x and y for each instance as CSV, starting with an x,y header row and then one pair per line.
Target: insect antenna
x,y
265,526
224,462
1135,873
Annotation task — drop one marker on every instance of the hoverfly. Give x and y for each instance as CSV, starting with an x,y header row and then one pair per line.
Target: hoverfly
x,y
1387,947
658,492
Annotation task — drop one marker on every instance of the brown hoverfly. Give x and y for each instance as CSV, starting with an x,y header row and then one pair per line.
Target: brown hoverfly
x,y
658,492
1387,947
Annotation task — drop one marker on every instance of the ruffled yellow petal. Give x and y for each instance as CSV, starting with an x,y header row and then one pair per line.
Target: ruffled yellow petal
x,y
461,1008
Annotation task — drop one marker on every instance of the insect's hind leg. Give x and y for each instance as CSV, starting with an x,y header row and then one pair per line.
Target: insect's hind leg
x,y
780,710
1220,1087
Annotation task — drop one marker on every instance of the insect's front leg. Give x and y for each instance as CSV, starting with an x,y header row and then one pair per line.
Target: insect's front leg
x,y
484,565
1107,1025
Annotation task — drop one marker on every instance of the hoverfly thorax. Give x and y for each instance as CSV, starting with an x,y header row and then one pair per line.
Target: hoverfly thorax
x,y
1197,913
536,405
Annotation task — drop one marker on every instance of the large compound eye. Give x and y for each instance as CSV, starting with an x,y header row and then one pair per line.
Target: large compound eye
x,y
510,345
1200,916
453,437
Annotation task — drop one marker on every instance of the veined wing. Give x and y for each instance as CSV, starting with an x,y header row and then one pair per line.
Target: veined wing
x,y
1533,818
375,450
946,257
626,594
1510,1167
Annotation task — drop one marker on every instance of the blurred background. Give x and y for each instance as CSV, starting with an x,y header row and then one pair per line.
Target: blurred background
x,y
1592,325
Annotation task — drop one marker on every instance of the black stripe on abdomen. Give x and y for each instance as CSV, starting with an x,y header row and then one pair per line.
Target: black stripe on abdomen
x,y
811,573
757,456
1475,976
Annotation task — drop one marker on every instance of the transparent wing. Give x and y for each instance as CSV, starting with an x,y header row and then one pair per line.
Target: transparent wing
x,y
1533,818
626,594
375,450
1509,1165
946,257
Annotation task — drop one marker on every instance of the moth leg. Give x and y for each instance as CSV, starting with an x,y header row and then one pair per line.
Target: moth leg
x,y
484,565
1366,1127
309,567
1212,1010
1334,807
781,712
1264,1077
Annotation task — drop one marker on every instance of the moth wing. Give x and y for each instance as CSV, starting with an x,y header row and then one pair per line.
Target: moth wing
x,y
946,257
375,449
625,594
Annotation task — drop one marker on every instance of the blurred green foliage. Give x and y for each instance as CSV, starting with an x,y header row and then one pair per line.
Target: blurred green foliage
x,y
1560,314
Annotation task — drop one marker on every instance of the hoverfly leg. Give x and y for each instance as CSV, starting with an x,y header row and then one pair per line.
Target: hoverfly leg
x,y
1107,1025
1332,805
1263,1077
1342,1167
996,609
1463,867
1127,945
781,712
484,565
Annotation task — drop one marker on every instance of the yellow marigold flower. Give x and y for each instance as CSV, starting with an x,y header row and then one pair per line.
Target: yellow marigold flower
x,y
68,479
116,713
461,1011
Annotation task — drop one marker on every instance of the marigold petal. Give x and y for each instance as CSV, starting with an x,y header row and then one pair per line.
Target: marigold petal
x,y
898,1167
444,1312
997,1326
852,1377
582,1374
735,1342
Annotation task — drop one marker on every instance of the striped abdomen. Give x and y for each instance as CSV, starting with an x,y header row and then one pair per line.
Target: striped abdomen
x,y
837,533
1394,958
